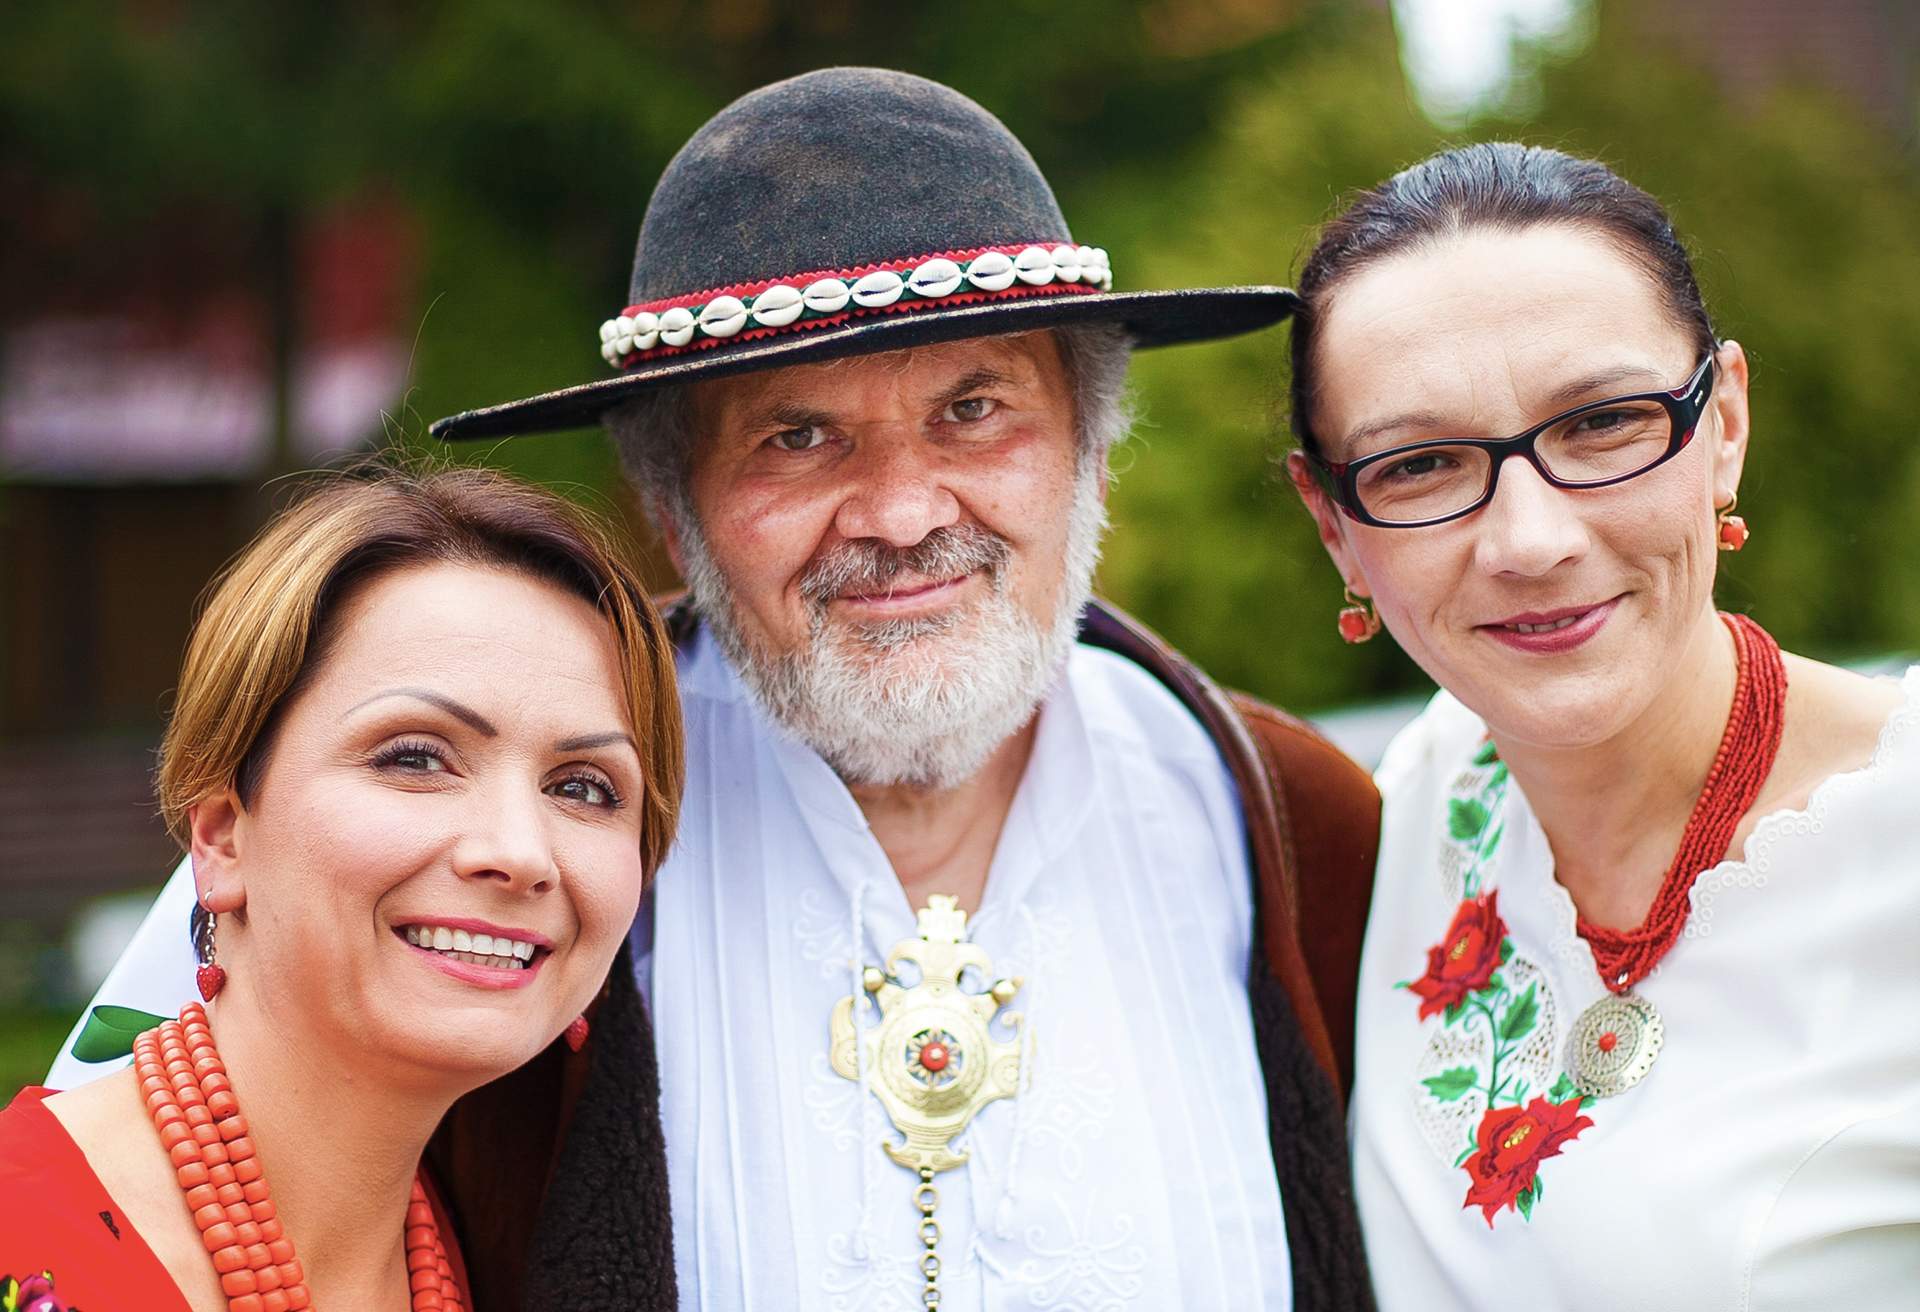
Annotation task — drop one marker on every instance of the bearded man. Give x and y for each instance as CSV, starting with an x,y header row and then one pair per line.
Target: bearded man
x,y
1002,960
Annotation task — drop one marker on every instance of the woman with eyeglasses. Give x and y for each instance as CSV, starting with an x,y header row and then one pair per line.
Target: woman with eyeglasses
x,y
1639,1019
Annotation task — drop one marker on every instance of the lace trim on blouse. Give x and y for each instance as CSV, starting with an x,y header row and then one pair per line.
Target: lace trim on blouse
x,y
1751,869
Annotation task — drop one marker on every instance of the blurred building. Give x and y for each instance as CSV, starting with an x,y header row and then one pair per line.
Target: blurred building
x,y
151,381
1866,50
1464,56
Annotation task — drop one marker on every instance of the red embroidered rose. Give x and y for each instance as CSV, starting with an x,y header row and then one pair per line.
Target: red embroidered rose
x,y
1513,1141
1464,960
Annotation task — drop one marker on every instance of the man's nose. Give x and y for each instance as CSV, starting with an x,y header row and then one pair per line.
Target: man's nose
x,y
506,839
1530,526
896,492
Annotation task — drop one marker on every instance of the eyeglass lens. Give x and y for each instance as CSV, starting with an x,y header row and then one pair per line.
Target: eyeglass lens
x,y
1615,439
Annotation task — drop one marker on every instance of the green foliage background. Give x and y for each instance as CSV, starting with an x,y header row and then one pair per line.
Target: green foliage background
x,y
1199,144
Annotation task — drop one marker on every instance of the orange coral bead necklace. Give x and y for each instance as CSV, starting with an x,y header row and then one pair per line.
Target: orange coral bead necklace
x,y
185,1086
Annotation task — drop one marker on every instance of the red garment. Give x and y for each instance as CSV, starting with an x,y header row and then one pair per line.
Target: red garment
x,y
67,1244
59,1226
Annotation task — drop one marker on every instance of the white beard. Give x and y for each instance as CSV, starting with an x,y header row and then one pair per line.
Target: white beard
x,y
922,702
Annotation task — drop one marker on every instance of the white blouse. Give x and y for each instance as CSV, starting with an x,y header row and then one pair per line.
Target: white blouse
x,y
1770,1160
1133,1172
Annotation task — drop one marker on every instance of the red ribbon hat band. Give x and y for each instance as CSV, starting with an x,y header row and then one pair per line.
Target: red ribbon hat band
x,y
747,311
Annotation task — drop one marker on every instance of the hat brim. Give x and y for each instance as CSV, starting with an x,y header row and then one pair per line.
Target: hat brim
x,y
1151,318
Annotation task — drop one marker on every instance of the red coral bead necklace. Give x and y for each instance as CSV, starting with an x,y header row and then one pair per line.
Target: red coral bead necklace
x,y
1615,1041
186,1089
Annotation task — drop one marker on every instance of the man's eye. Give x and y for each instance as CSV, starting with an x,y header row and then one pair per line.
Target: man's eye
x,y
800,439
970,411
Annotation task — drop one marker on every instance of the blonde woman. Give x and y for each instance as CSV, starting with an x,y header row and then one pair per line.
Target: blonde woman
x,y
425,753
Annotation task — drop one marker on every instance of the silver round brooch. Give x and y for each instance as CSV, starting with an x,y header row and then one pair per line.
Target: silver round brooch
x,y
1614,1045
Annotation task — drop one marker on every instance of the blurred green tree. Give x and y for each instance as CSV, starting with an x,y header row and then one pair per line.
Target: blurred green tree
x,y
1805,223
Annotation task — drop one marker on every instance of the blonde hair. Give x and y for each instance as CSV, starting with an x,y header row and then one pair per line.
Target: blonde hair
x,y
265,625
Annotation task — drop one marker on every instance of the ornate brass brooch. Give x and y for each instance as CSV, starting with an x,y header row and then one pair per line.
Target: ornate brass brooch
x,y
931,1058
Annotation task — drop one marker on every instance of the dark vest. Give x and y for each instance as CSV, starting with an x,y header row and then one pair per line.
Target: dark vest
x,y
557,1173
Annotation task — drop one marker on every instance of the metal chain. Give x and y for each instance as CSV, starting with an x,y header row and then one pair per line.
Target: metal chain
x,y
927,1198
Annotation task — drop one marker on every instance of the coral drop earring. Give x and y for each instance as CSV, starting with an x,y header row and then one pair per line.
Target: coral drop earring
x,y
1357,619
1732,529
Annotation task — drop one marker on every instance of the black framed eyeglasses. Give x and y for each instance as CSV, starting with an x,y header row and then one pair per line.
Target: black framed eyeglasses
x,y
1593,445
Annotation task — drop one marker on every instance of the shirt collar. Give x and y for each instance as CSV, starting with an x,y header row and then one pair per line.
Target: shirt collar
x,y
1051,804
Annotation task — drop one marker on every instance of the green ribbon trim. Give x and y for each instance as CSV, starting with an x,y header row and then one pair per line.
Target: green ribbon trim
x,y
110,1031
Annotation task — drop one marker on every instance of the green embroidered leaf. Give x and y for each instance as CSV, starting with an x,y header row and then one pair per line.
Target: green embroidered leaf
x,y
1562,1088
1520,1090
110,1032
1521,1014
1453,1013
1495,985
1465,819
1524,1200
1487,754
1450,1084
1539,1187
1506,950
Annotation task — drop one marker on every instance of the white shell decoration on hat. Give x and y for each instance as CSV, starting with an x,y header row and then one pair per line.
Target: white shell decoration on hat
x,y
828,296
991,271
780,304
935,278
677,325
878,289
723,316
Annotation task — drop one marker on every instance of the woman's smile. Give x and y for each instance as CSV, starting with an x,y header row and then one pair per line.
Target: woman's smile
x,y
1551,632
478,953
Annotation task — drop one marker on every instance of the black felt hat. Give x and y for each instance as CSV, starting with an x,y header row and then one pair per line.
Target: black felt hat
x,y
847,211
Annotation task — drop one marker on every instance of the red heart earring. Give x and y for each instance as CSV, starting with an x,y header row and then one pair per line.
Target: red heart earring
x,y
211,978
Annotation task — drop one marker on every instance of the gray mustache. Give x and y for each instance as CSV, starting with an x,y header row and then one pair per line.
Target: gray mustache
x,y
870,565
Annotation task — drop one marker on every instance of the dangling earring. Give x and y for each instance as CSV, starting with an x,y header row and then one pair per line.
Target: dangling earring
x,y
1733,529
576,1033
1357,620
210,977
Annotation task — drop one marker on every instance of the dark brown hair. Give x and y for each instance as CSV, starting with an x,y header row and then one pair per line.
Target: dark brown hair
x,y
1497,184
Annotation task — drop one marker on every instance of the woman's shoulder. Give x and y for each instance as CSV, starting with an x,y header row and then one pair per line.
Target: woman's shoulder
x,y
62,1235
1854,733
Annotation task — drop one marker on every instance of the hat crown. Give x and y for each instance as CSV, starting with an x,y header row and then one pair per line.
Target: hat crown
x,y
834,170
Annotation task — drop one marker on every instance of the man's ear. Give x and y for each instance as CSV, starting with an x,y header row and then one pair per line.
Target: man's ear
x,y
217,832
668,525
1332,525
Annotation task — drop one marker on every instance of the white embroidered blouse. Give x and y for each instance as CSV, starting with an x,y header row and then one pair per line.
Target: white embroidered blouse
x,y
1770,1160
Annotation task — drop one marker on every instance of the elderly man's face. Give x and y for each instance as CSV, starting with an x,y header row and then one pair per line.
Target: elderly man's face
x,y
888,516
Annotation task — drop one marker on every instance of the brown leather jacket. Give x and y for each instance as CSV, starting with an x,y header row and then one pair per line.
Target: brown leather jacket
x,y
557,1173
